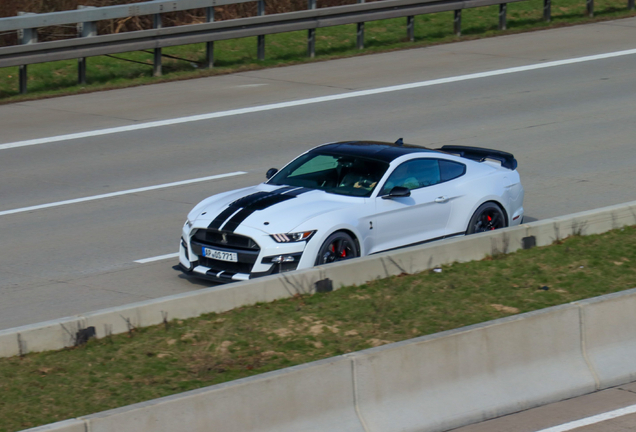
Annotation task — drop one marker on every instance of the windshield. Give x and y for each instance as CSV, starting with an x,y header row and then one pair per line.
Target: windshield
x,y
339,174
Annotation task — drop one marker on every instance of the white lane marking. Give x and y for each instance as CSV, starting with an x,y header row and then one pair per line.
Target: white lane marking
x,y
309,101
157,258
250,85
592,420
114,194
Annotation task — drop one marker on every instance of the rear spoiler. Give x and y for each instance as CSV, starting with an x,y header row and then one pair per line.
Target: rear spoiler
x,y
480,154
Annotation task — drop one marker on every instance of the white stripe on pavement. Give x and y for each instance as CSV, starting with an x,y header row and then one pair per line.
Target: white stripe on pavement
x,y
157,258
309,101
592,420
114,194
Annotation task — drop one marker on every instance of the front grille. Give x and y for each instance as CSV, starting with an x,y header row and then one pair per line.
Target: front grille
x,y
247,250
233,267
226,240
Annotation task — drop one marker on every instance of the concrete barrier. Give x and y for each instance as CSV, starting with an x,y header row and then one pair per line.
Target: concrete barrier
x,y
313,397
60,333
445,381
609,333
74,425
50,335
431,384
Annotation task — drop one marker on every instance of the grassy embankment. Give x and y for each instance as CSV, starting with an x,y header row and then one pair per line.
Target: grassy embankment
x,y
157,361
59,78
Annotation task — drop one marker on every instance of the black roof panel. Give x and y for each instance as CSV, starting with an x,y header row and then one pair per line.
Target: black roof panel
x,y
382,151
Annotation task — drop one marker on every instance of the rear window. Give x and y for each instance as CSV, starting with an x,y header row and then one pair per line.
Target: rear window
x,y
451,170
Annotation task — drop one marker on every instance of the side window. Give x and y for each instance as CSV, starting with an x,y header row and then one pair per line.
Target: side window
x,y
414,174
450,170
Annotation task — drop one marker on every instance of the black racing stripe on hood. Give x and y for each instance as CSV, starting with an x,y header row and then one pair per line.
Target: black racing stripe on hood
x,y
298,191
243,214
241,203
262,203
222,217
248,199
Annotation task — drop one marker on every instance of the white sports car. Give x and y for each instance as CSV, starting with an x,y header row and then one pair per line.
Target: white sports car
x,y
349,199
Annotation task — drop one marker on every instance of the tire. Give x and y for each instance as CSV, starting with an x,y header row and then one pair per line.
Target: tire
x,y
339,246
487,217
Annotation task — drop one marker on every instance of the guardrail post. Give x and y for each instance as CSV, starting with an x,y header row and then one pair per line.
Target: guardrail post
x,y
25,37
457,22
260,42
209,46
590,8
86,29
547,10
503,7
410,28
311,33
157,23
360,33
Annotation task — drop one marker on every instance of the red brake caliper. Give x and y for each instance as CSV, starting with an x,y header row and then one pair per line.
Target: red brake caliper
x,y
343,254
490,220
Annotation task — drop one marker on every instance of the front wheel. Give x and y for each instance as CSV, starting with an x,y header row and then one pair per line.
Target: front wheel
x,y
339,246
488,217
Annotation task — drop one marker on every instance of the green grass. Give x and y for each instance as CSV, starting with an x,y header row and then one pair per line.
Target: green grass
x,y
152,362
60,78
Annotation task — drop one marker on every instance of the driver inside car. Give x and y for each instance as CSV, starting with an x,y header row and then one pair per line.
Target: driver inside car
x,y
359,177
404,176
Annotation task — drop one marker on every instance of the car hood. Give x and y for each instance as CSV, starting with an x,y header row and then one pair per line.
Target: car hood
x,y
271,209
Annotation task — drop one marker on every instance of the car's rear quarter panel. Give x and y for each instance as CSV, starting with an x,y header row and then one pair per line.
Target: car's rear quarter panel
x,y
481,183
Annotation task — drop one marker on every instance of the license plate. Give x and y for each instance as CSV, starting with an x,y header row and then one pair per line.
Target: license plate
x,y
220,255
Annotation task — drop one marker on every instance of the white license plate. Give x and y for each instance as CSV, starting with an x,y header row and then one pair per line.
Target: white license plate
x,y
220,255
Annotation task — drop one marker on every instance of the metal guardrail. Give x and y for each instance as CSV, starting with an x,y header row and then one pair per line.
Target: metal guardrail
x,y
86,17
221,30
32,21
89,44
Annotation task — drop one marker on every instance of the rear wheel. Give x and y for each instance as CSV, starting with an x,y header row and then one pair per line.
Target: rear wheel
x,y
488,217
339,246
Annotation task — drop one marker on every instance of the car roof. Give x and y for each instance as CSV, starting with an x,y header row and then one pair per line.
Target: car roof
x,y
383,151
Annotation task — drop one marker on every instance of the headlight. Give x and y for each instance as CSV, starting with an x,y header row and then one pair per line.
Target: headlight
x,y
292,237
188,223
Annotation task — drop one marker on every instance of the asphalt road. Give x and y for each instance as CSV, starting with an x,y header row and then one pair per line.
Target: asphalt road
x,y
611,410
571,127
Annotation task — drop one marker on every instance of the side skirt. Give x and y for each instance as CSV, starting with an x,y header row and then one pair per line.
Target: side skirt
x,y
463,233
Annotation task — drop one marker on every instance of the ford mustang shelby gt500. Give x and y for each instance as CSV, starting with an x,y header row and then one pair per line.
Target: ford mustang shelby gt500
x,y
349,199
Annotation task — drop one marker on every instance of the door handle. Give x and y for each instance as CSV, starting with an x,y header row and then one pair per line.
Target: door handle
x,y
441,199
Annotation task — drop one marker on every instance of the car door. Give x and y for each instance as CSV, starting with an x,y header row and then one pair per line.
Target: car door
x,y
422,216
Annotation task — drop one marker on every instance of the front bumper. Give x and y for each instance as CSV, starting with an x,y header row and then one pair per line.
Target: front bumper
x,y
253,261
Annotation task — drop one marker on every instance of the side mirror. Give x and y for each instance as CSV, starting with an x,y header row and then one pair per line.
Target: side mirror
x,y
270,173
398,192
